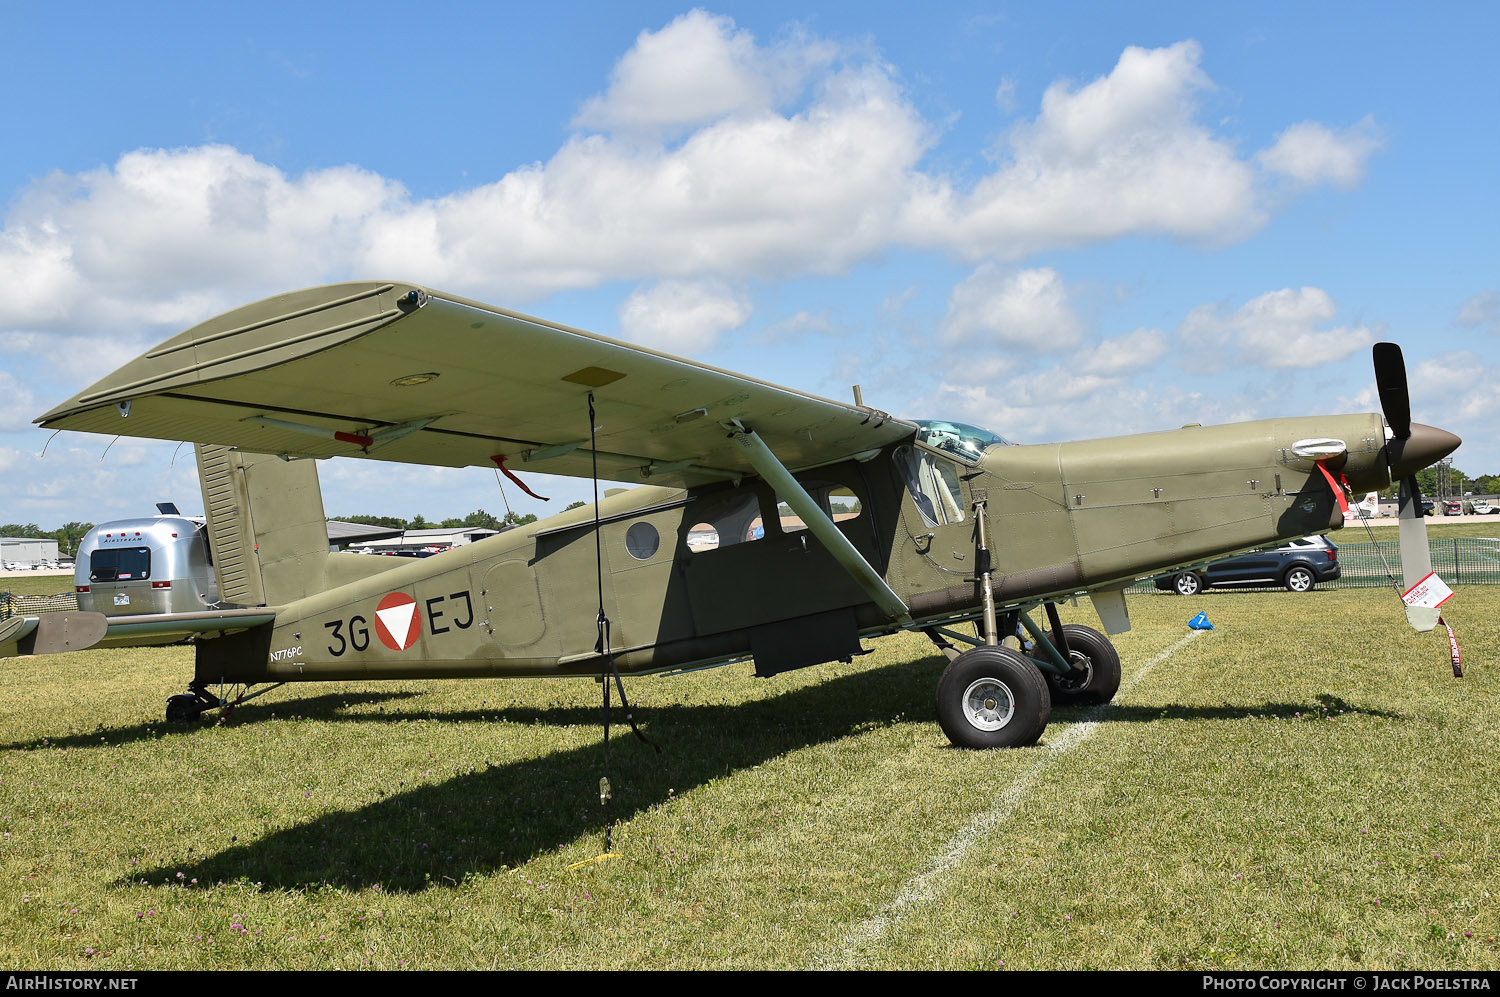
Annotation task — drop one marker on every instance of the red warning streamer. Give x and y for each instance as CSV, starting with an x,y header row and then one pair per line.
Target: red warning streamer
x,y
1458,665
1338,491
499,460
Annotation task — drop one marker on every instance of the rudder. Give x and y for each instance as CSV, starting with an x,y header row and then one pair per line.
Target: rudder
x,y
266,526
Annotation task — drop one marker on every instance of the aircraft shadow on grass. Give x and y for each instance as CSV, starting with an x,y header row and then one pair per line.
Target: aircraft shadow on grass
x,y
506,814
1326,706
322,707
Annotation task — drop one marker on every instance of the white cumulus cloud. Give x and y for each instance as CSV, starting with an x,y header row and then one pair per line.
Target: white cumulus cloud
x,y
1279,329
685,317
698,69
709,154
1481,312
169,237
1021,309
1119,155
1309,153
1123,355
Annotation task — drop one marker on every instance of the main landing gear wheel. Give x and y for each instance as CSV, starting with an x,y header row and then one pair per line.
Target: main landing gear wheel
x,y
992,697
1187,583
1096,675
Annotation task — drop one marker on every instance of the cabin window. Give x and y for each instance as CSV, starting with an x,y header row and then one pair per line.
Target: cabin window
x,y
732,518
120,564
838,501
933,483
642,541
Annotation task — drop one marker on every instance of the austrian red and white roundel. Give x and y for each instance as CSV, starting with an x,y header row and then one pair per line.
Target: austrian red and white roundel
x,y
397,622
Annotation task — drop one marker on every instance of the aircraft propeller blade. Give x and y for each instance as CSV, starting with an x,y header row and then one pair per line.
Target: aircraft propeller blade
x,y
1412,447
1390,382
1416,560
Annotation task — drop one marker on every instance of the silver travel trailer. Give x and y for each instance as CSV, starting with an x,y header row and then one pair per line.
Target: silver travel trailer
x,y
135,566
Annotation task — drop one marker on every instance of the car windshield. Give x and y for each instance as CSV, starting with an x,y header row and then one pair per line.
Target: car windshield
x,y
959,439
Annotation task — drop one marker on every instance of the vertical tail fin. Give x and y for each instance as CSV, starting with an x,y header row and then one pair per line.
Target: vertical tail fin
x,y
266,527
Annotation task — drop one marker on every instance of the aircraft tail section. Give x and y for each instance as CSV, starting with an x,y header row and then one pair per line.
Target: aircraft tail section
x,y
266,526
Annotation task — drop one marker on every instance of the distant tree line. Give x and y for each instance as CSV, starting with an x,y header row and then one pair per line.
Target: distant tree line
x,y
67,537
1458,483
478,519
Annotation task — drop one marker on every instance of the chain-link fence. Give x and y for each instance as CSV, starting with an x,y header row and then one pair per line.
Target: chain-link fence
x,y
30,605
1457,560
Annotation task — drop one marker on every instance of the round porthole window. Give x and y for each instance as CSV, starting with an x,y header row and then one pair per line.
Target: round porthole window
x,y
642,540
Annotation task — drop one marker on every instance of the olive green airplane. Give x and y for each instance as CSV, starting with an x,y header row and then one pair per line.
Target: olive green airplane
x,y
767,523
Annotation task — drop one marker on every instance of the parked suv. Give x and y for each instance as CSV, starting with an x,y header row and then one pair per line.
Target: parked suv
x,y
1296,564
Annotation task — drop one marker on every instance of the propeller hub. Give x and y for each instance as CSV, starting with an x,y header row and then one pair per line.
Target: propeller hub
x,y
1426,445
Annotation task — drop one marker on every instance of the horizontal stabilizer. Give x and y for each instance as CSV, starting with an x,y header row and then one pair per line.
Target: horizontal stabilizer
x,y
50,633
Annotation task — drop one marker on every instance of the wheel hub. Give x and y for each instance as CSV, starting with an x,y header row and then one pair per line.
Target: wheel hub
x,y
988,704
1079,678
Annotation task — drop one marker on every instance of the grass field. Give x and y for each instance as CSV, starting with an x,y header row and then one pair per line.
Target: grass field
x,y
37,584
1437,527
1306,786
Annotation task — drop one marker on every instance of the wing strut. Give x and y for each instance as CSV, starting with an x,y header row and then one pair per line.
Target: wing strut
x,y
792,493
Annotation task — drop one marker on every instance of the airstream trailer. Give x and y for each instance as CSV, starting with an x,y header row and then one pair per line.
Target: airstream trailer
x,y
137,566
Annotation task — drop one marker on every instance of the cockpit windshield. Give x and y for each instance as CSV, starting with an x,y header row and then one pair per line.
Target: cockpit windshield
x,y
959,439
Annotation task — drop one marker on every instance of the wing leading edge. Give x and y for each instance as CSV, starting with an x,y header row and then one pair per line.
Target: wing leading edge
x,y
403,373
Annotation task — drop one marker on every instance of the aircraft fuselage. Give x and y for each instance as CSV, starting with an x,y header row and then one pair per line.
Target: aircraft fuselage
x,y
714,573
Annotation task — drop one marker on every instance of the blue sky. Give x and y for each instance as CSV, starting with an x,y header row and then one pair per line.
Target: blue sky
x,y
1057,221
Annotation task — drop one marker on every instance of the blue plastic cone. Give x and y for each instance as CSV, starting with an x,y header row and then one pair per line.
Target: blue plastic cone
x,y
1200,622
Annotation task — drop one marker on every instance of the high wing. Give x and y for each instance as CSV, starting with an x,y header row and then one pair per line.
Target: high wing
x,y
403,373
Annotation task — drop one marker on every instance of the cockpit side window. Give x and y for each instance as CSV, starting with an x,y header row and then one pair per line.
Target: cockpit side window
x,y
958,439
933,483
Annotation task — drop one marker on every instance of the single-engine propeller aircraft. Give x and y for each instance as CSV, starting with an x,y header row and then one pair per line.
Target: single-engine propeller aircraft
x,y
893,524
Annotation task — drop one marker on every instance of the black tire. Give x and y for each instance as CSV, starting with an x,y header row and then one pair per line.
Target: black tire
x,y
183,709
1187,583
992,697
1299,579
1100,679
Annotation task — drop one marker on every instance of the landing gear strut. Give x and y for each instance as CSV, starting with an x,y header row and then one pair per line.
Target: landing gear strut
x,y
1001,697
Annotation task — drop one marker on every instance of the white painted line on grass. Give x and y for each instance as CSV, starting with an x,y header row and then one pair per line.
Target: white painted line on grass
x,y
925,886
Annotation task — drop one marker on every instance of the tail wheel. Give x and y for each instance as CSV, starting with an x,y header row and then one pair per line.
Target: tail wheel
x,y
184,709
992,697
1096,675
